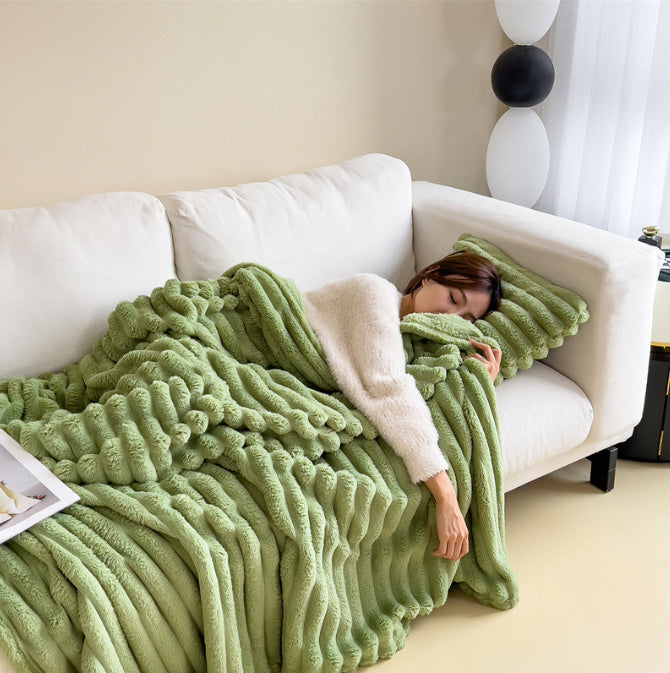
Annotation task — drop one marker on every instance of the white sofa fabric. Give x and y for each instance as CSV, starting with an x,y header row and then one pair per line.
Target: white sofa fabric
x,y
314,227
65,267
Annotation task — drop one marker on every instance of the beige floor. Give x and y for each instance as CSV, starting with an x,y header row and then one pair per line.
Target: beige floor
x,y
594,576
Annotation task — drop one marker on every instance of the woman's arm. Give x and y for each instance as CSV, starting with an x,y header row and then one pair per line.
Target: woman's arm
x,y
451,529
357,321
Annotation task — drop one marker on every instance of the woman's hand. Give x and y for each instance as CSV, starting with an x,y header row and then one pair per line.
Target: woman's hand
x,y
491,358
451,529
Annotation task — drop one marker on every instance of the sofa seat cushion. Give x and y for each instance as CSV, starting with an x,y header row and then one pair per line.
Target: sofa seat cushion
x,y
314,227
542,414
63,269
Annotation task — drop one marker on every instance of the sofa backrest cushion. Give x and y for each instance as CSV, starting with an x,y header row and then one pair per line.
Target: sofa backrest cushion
x,y
314,227
63,269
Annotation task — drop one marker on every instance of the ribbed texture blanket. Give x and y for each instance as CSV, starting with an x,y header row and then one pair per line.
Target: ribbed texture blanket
x,y
237,514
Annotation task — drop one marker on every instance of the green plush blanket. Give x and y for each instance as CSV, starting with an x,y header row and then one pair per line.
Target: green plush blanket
x,y
237,514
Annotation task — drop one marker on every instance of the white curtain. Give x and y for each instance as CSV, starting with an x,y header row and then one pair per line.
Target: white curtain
x,y
608,115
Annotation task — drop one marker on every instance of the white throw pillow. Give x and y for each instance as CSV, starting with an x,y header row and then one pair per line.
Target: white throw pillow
x,y
314,227
63,269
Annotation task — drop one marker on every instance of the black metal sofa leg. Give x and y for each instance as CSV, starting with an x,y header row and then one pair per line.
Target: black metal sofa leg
x,y
603,468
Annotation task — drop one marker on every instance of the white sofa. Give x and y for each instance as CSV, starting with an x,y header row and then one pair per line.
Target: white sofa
x,y
64,267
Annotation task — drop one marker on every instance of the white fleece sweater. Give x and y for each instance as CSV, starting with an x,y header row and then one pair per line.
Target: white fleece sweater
x,y
357,321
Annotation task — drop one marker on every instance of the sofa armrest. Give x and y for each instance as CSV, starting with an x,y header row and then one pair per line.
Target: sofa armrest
x,y
609,356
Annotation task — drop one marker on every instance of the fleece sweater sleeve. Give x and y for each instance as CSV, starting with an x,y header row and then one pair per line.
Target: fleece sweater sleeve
x,y
357,323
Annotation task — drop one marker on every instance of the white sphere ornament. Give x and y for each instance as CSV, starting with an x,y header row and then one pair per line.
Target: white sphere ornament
x,y
526,21
517,158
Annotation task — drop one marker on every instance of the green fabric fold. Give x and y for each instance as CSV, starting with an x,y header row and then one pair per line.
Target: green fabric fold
x,y
237,513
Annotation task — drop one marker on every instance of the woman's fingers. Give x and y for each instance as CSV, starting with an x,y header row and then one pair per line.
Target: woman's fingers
x,y
485,347
476,343
453,550
492,355
456,549
492,359
462,549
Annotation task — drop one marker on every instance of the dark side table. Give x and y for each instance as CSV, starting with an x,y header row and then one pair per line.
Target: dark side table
x,y
651,438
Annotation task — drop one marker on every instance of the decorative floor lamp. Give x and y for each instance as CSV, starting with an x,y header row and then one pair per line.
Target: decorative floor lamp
x,y
517,157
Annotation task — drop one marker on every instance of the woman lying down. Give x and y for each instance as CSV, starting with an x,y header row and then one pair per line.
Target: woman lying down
x,y
371,372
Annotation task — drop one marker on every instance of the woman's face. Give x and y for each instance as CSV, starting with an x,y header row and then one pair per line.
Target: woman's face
x,y
433,297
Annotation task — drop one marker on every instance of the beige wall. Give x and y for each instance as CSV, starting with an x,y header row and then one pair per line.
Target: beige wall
x,y
159,96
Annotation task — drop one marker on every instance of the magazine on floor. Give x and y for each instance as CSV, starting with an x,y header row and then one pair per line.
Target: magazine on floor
x,y
28,491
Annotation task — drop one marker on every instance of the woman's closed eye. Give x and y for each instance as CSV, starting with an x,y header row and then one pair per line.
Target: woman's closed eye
x,y
463,303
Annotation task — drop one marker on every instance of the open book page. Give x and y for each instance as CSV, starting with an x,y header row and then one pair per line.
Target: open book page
x,y
28,491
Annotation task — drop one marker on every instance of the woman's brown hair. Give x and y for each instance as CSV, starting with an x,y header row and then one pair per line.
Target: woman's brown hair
x,y
478,273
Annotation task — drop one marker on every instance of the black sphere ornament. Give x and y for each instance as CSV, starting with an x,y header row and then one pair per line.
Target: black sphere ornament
x,y
522,76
